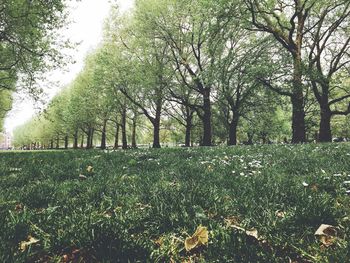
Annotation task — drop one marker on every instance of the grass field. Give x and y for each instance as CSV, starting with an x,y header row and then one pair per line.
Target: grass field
x,y
258,203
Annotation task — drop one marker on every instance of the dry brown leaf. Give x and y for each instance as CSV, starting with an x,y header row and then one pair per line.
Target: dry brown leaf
x,y
232,220
19,207
25,244
210,168
314,187
200,237
280,214
191,243
327,234
252,232
65,258
159,241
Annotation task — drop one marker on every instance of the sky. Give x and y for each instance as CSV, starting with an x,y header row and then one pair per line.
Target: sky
x,y
87,18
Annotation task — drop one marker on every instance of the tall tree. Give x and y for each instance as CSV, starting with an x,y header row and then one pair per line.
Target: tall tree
x,y
329,62
28,41
286,21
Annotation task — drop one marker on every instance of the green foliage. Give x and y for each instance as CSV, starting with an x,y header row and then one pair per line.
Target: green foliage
x,y
28,45
215,71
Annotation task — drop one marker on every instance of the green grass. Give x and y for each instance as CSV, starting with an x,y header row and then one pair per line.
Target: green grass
x,y
133,198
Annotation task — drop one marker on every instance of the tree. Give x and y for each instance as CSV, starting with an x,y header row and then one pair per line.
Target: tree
x,y
141,66
286,21
187,35
329,62
28,43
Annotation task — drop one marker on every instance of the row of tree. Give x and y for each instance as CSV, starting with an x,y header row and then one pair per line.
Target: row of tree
x,y
208,71
28,46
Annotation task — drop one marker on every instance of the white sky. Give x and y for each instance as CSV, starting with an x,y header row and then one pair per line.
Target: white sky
x,y
88,17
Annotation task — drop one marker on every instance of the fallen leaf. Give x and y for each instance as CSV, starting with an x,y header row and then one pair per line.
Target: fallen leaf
x,y
25,244
65,258
252,232
159,241
200,237
305,184
327,234
280,214
90,169
232,220
82,177
18,207
314,187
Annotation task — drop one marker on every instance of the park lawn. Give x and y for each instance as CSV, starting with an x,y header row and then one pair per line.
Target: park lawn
x,y
258,203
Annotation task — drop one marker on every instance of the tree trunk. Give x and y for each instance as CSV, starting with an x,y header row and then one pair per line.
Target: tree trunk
x,y
156,131
189,117
233,131
51,144
75,141
66,142
264,137
57,143
298,119
103,136
124,138
207,132
250,138
82,141
88,139
298,116
133,136
116,137
325,133
92,138
188,132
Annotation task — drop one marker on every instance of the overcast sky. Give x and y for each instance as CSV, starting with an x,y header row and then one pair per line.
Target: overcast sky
x,y
88,17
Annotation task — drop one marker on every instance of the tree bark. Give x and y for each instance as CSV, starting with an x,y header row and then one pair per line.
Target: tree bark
x,y
103,136
250,138
207,132
133,136
297,98
51,144
298,119
188,127
325,133
116,137
156,137
66,142
124,138
233,131
156,127
75,142
57,143
82,141
90,138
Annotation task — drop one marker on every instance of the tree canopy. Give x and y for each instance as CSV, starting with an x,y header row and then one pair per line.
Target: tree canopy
x,y
208,72
29,44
